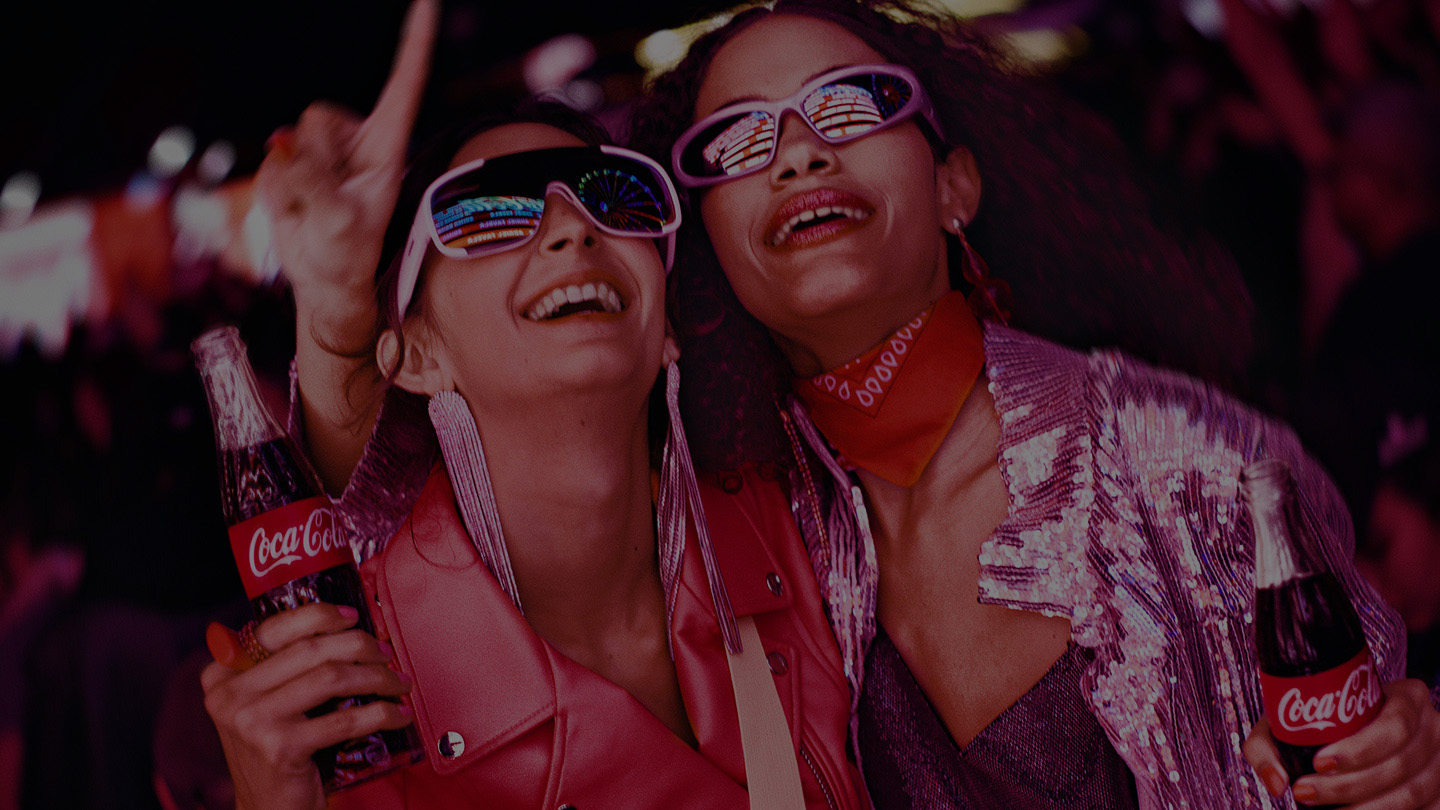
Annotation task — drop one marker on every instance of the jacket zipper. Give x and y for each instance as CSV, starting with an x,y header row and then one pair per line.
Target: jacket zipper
x,y
820,778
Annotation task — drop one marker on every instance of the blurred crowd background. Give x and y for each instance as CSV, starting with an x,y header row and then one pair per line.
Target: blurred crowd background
x,y
1304,136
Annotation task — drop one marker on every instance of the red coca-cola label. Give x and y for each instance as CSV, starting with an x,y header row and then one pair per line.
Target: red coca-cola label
x,y
288,543
1327,706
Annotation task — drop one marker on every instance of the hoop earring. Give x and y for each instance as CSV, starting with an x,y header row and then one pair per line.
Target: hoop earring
x,y
470,480
990,297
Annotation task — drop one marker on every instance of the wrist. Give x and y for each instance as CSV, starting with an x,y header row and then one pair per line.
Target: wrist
x,y
336,297
345,323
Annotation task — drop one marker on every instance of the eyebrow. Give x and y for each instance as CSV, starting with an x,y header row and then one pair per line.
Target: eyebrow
x,y
808,79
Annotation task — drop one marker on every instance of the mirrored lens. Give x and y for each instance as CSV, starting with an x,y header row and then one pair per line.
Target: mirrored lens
x,y
623,199
842,110
846,108
501,202
471,222
745,143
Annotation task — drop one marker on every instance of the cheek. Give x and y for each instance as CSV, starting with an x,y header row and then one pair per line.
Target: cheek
x,y
723,210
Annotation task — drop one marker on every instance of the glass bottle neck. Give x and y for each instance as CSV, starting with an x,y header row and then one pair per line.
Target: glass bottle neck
x,y
1269,491
241,416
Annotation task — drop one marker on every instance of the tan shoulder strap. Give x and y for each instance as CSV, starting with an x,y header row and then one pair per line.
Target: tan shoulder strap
x,y
771,768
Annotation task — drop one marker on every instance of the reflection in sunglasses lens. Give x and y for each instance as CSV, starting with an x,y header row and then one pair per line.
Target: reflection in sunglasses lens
x,y
488,221
838,111
621,200
743,144
842,110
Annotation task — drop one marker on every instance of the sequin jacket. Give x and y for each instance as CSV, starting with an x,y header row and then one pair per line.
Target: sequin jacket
x,y
1125,518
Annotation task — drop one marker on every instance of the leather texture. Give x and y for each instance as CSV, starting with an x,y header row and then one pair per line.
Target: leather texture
x,y
507,721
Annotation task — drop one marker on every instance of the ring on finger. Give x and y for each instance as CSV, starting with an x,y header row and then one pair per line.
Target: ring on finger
x,y
253,648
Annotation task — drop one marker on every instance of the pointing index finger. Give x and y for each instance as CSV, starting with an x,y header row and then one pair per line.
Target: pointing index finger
x,y
385,134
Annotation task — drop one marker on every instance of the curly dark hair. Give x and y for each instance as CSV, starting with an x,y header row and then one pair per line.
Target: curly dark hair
x,y
1092,257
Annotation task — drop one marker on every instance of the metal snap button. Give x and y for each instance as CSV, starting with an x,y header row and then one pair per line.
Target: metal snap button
x,y
772,581
778,664
451,745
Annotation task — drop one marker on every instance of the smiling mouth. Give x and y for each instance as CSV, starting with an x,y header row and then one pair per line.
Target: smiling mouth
x,y
816,216
590,298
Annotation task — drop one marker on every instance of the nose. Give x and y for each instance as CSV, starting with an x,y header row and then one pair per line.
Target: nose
x,y
799,151
564,225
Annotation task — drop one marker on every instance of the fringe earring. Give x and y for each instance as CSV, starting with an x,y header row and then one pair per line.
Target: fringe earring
x,y
679,490
990,297
470,479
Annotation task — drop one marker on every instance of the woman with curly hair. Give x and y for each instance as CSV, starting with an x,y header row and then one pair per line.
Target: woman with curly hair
x,y
1035,559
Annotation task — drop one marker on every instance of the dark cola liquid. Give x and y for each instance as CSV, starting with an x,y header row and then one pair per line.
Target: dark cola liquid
x,y
1304,627
265,477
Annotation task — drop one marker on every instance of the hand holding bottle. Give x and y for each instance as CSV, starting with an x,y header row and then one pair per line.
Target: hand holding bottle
x,y
1391,764
316,655
291,551
1329,723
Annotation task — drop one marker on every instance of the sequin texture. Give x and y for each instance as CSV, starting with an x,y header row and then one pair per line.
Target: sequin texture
x,y
1125,518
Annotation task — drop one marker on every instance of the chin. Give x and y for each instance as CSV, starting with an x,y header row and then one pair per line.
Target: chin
x,y
838,291
608,370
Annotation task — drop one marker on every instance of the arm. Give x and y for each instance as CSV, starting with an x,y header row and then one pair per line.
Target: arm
x,y
1261,55
1394,762
329,185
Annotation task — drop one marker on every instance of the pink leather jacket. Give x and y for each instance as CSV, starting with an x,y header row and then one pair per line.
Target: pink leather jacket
x,y
507,721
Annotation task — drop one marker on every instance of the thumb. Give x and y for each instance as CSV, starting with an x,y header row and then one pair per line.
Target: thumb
x,y
1264,757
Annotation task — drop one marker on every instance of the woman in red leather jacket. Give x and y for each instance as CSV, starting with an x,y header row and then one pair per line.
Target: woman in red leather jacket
x,y
553,619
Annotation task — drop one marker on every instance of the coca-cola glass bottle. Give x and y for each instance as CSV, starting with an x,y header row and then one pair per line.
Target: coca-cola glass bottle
x,y
1317,676
289,545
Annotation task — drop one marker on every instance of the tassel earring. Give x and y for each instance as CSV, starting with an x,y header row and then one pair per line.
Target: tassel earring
x,y
991,297
679,490
470,479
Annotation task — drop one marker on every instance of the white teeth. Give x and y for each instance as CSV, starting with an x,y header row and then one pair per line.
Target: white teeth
x,y
598,291
783,232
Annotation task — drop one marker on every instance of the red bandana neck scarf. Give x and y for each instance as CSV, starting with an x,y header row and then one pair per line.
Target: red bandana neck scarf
x,y
888,410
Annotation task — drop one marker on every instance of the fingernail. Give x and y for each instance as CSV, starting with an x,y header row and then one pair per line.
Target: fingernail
x,y
405,678
1305,794
282,142
1326,764
1274,780
406,711
386,650
347,612
224,645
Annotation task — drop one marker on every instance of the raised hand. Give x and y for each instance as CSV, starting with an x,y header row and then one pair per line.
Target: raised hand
x,y
1391,764
260,710
329,185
